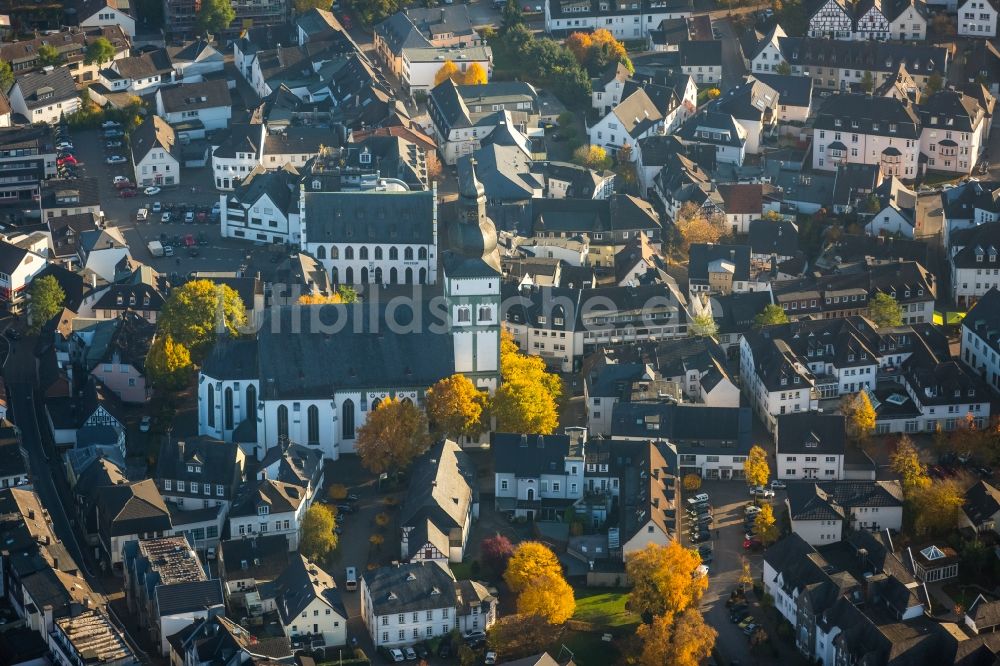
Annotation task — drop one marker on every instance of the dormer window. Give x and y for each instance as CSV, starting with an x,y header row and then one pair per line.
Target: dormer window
x,y
979,258
797,379
365,157
850,357
972,392
263,510
316,184
958,393
784,381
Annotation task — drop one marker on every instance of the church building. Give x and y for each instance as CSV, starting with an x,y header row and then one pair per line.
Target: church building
x,y
311,374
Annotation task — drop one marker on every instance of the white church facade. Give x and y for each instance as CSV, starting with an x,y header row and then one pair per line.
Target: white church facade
x,y
312,374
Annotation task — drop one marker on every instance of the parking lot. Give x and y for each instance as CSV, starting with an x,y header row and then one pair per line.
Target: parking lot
x,y
195,190
728,500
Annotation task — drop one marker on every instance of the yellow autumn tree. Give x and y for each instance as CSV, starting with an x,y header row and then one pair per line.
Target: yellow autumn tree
x,y
765,525
394,434
535,575
860,415
592,157
319,299
449,70
526,401
906,463
455,407
665,580
475,75
694,225
755,468
684,641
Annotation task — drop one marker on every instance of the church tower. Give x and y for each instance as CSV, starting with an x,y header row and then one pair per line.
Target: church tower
x,y
472,283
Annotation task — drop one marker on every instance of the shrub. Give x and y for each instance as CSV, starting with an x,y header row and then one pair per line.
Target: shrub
x,y
337,491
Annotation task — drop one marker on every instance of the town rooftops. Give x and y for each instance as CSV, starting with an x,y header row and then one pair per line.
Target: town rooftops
x,y
154,132
46,87
984,318
189,596
302,582
206,94
576,8
810,433
530,455
144,66
95,639
833,500
277,496
919,60
410,587
262,557
370,217
171,559
865,114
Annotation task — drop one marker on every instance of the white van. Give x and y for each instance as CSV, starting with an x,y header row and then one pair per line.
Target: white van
x,y
352,579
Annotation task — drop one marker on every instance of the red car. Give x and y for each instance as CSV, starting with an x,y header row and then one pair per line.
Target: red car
x,y
69,159
123,184
752,544
128,192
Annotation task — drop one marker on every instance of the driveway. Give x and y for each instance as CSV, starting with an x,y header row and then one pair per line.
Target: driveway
x,y
728,501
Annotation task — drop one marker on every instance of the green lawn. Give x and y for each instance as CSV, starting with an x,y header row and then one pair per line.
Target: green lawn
x,y
462,570
604,607
587,647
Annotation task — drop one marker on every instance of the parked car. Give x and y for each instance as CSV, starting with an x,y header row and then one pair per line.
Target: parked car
x,y
490,659
68,159
122,181
395,655
151,191
165,218
444,649
477,637
113,134
346,508
64,145
410,653
422,651
113,144
752,544
700,498
751,510
12,334
749,629
761,491
189,217
698,537
746,621
110,124
778,484
128,193
145,423
116,159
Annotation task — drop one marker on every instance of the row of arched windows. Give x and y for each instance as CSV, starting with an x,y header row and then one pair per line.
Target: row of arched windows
x,y
377,276
228,411
321,253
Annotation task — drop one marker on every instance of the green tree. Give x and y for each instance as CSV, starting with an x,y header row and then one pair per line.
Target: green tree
x,y
215,15
394,434
756,471
347,294
168,363
317,538
784,69
99,51
6,76
885,311
771,315
934,83
867,82
704,324
195,313
45,301
48,55
303,6
511,16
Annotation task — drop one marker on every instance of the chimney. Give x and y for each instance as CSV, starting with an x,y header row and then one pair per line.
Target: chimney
x,y
524,441
540,442
180,449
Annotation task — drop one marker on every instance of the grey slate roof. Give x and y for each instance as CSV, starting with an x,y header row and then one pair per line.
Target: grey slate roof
x,y
189,596
43,88
792,90
833,500
206,94
382,217
702,255
441,488
410,587
779,237
864,55
982,502
528,455
302,582
262,557
812,433
873,115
